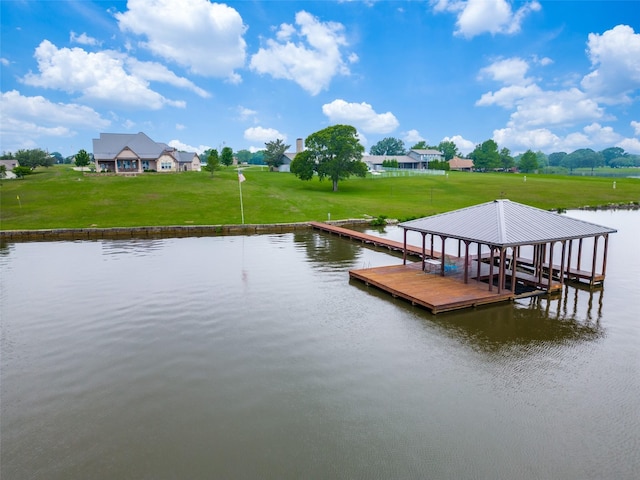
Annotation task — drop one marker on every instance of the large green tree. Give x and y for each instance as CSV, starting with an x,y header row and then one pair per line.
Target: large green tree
x,y
33,158
213,160
57,157
543,159
244,156
449,149
388,146
227,156
485,156
422,145
555,158
528,162
82,158
274,152
612,153
583,158
506,159
257,158
334,152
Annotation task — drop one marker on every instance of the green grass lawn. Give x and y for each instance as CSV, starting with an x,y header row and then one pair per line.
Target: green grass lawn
x,y
60,197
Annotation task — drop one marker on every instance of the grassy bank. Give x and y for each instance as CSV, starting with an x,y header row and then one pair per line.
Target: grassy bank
x,y
60,197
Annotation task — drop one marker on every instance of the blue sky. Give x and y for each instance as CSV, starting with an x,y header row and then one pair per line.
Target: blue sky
x,y
546,75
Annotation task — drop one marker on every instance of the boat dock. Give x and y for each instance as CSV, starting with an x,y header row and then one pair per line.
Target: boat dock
x,y
423,282
429,290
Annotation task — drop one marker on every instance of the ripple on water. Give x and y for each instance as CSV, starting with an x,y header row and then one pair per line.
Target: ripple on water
x,y
256,357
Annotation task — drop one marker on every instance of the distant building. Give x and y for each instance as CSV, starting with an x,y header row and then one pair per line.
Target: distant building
x,y
9,164
289,156
415,159
136,153
461,164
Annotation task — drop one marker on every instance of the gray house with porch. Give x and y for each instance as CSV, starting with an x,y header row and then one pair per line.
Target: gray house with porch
x,y
126,153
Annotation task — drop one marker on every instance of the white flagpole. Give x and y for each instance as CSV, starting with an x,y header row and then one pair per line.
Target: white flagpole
x,y
240,180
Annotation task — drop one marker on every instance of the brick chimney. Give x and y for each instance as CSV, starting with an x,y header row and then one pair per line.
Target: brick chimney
x,y
299,145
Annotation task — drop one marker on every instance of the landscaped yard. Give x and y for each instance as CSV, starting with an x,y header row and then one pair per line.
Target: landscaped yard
x,y
60,197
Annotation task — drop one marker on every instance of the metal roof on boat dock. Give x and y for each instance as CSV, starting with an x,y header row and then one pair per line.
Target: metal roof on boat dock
x,y
505,223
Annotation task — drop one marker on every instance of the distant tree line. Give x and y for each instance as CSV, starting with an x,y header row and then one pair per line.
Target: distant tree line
x,y
487,156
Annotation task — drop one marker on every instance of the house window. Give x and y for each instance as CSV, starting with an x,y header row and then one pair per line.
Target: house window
x,y
145,164
165,165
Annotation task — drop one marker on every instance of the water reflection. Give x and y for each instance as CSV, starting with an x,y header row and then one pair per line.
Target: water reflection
x,y
521,328
256,357
327,253
136,247
5,248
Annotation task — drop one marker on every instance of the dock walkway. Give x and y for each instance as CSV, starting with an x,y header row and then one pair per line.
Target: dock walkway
x,y
369,239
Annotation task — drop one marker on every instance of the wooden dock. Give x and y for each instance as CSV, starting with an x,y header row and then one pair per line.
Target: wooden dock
x,y
432,291
393,245
426,286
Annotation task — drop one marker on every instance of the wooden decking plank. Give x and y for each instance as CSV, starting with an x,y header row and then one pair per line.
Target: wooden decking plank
x,y
434,292
371,239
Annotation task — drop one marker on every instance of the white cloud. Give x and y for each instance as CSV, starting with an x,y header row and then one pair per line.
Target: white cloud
x,y
246,113
309,53
45,112
83,39
464,146
563,107
521,140
510,71
534,106
180,126
362,138
631,145
205,37
106,76
615,57
25,119
4,61
263,135
508,97
360,115
183,147
412,137
593,135
475,17
600,135
156,72
544,61
636,127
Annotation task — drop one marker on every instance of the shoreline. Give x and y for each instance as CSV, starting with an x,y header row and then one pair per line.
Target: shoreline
x,y
181,231
170,231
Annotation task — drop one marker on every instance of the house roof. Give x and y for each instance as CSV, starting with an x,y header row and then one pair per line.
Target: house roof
x,y
428,151
460,163
378,159
504,223
109,145
185,157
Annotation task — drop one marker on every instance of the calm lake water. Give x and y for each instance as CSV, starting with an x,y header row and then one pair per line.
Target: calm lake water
x,y
256,357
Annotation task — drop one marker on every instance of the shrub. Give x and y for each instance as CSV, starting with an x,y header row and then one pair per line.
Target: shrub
x,y
22,171
381,221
